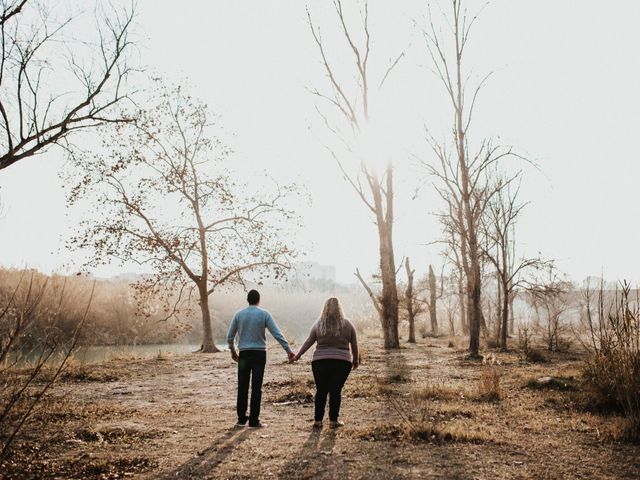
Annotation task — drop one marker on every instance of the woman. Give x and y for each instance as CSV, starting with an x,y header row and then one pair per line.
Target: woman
x,y
332,361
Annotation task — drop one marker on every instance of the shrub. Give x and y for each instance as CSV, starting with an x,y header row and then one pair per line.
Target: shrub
x,y
39,327
424,329
567,384
534,355
489,384
531,354
612,371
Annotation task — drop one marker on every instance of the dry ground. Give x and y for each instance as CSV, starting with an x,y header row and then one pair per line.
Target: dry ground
x,y
413,414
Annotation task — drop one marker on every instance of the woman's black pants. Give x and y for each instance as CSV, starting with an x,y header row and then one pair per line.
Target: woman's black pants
x,y
330,376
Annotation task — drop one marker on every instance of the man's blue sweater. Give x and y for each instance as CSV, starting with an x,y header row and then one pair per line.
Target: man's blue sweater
x,y
250,324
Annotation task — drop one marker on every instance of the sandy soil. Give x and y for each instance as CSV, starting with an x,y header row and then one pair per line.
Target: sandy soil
x,y
172,418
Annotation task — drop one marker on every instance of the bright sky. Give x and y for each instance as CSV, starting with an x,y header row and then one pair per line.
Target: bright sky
x,y
564,93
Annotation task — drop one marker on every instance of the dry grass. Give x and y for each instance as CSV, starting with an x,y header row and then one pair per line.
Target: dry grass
x,y
397,373
371,387
293,390
489,384
442,433
122,433
437,391
85,374
533,355
425,432
420,422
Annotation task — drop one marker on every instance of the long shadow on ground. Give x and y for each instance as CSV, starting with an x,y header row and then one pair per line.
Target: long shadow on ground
x,y
309,460
205,464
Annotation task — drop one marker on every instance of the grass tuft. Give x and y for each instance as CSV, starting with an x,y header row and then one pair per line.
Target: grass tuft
x,y
489,389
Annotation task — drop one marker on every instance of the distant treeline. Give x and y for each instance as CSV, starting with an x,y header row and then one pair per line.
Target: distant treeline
x,y
115,317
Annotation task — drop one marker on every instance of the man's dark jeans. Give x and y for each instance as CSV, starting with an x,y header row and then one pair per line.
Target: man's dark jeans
x,y
330,376
251,365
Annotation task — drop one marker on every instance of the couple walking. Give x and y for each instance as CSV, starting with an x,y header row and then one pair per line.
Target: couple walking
x,y
331,363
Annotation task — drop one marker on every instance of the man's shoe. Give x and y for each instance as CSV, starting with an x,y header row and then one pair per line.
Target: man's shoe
x,y
240,424
317,425
257,426
336,424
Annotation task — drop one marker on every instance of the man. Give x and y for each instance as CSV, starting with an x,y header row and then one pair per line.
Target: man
x,y
250,324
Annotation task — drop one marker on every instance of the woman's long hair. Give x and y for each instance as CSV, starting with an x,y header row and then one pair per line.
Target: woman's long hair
x,y
332,319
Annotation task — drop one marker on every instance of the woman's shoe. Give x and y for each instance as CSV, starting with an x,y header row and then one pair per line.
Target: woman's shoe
x,y
317,424
336,424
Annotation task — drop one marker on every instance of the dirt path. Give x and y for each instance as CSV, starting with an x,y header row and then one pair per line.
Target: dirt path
x,y
171,417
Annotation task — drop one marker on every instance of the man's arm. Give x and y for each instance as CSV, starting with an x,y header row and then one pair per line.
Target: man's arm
x,y
231,335
277,334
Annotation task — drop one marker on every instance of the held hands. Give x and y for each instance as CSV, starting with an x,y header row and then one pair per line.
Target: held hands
x,y
355,365
292,357
234,355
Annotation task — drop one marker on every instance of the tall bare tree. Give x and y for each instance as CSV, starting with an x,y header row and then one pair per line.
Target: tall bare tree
x,y
349,97
503,212
410,300
163,197
52,85
461,174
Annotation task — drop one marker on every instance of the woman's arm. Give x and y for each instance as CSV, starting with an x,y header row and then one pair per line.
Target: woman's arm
x,y
307,344
354,348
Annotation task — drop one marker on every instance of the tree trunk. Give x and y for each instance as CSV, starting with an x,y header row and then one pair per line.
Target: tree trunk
x,y
469,231
475,312
389,295
549,330
463,308
208,345
409,299
432,302
512,326
505,316
499,312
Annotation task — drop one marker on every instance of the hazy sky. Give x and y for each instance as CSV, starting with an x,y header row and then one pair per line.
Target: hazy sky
x,y
564,93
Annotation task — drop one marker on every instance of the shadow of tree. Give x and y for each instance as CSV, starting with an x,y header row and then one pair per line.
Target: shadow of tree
x,y
397,370
207,460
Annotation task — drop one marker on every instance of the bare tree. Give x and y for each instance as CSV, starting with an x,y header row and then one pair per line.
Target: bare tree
x,y
461,174
410,300
164,198
374,189
51,85
499,223
550,293
450,301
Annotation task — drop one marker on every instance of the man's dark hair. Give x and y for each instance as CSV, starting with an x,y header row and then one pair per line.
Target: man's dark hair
x,y
253,297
